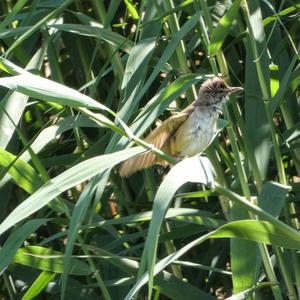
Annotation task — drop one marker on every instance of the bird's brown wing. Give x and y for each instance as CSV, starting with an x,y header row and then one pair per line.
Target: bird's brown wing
x,y
159,137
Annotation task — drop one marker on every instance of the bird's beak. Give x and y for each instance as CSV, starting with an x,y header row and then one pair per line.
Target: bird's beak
x,y
233,89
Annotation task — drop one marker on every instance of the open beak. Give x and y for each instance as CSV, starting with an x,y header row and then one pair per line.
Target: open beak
x,y
233,89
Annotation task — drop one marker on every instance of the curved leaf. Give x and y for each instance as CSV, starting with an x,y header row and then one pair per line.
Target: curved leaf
x,y
194,169
48,90
253,230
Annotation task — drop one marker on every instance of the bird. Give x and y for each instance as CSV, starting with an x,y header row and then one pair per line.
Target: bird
x,y
187,133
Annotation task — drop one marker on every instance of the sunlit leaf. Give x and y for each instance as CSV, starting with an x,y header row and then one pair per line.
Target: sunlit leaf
x,y
220,33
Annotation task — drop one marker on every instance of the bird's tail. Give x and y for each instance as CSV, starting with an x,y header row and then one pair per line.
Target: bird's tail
x,y
137,163
159,138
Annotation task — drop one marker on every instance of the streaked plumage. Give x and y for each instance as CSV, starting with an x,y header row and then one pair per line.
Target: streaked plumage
x,y
189,132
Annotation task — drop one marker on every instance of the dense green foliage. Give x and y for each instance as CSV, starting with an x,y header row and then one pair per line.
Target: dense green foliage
x,y
81,83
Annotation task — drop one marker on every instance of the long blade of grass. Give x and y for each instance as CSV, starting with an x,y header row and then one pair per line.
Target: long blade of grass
x,y
64,181
48,260
177,176
97,31
48,90
38,285
38,25
259,231
22,173
16,239
220,32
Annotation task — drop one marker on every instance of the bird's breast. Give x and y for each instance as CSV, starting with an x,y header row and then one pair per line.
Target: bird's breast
x,y
195,134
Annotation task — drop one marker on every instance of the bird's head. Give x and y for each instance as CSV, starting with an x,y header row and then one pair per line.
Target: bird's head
x,y
214,92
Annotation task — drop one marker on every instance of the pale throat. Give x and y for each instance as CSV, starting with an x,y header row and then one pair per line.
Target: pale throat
x,y
214,104
218,106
